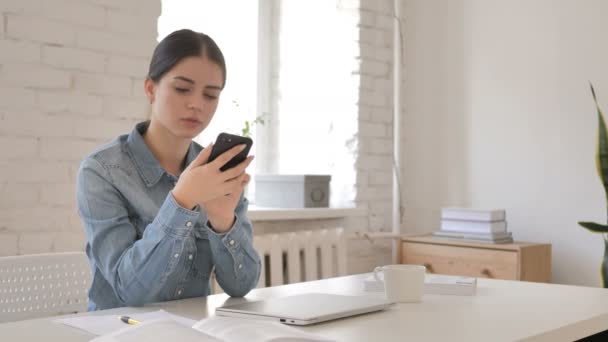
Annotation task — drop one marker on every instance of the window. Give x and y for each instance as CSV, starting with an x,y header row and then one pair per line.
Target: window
x,y
295,62
233,24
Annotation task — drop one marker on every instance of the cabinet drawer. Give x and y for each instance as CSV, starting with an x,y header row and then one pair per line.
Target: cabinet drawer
x,y
465,261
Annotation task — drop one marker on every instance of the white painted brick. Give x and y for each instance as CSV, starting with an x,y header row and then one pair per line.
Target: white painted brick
x,y
383,85
377,223
101,129
74,12
8,244
34,76
385,7
373,98
18,148
39,30
381,54
381,146
386,22
135,67
372,36
70,58
34,124
117,43
20,6
65,149
37,219
374,162
17,98
381,177
102,84
15,195
19,51
374,68
137,88
134,24
72,241
132,6
380,207
70,102
34,171
35,243
367,19
374,193
58,194
378,6
371,129
362,178
126,108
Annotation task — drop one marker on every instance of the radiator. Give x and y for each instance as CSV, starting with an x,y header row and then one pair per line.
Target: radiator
x,y
301,256
293,257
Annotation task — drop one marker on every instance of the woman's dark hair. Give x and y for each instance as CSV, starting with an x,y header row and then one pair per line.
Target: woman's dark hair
x,y
179,45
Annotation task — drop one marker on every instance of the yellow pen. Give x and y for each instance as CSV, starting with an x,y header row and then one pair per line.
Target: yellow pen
x,y
129,320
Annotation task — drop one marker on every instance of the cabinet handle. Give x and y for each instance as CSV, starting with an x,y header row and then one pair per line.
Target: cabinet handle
x,y
429,268
486,272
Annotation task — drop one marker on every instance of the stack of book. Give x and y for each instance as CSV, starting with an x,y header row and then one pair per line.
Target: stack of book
x,y
480,225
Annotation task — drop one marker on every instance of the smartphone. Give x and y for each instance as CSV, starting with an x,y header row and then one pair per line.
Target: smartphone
x,y
226,141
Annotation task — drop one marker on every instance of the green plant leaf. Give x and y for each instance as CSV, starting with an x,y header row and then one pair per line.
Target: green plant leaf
x,y
601,159
595,227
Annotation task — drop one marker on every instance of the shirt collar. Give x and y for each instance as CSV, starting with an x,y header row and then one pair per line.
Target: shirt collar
x,y
146,163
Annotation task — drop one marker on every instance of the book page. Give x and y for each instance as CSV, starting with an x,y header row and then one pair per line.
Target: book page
x,y
156,331
231,329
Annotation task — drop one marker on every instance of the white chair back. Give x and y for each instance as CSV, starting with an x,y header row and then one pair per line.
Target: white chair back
x,y
41,285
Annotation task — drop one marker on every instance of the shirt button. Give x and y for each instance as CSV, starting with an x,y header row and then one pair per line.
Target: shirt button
x,y
231,242
176,255
190,256
179,292
240,266
189,224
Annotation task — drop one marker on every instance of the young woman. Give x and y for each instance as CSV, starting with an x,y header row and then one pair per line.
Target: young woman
x,y
159,218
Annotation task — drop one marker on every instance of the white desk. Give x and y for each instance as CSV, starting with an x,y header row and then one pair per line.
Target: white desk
x,y
500,311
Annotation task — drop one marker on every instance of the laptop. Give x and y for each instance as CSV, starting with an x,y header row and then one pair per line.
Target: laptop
x,y
305,309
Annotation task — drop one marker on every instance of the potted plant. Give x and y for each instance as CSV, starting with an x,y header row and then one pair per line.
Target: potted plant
x,y
601,161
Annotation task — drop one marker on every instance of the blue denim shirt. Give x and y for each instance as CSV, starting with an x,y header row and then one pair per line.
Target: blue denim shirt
x,y
143,247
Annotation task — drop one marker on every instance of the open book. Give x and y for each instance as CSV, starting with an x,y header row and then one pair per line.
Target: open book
x,y
216,329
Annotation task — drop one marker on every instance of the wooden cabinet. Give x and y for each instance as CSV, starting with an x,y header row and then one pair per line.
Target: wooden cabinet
x,y
514,261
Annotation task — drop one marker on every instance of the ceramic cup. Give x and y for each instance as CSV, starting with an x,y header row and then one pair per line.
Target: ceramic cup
x,y
402,283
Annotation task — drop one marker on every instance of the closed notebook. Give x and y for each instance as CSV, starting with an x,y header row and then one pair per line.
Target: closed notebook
x,y
473,214
473,226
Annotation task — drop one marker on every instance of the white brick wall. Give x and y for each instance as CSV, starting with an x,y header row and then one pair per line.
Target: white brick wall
x,y
68,71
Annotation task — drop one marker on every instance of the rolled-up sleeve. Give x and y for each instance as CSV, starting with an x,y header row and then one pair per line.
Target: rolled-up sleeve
x,y
237,264
137,269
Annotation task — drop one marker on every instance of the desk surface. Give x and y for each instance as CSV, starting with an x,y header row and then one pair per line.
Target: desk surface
x,y
500,311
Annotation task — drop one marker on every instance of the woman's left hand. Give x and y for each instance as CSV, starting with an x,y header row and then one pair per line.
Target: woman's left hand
x,y
220,211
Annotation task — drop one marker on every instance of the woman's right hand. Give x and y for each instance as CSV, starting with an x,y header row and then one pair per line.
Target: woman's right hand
x,y
201,182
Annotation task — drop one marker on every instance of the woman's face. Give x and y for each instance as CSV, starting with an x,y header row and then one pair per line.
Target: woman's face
x,y
186,97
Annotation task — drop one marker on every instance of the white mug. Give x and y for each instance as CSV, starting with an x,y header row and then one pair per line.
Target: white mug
x,y
402,283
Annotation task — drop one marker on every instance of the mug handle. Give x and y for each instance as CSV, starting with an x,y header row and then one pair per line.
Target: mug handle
x,y
376,271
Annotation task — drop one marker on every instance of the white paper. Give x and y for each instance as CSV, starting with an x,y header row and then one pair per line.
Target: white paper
x,y
156,331
229,329
104,324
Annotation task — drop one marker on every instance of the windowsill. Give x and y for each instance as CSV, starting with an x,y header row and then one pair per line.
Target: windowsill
x,y
283,214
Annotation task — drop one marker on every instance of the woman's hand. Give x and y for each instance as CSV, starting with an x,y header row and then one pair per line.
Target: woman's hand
x,y
218,192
